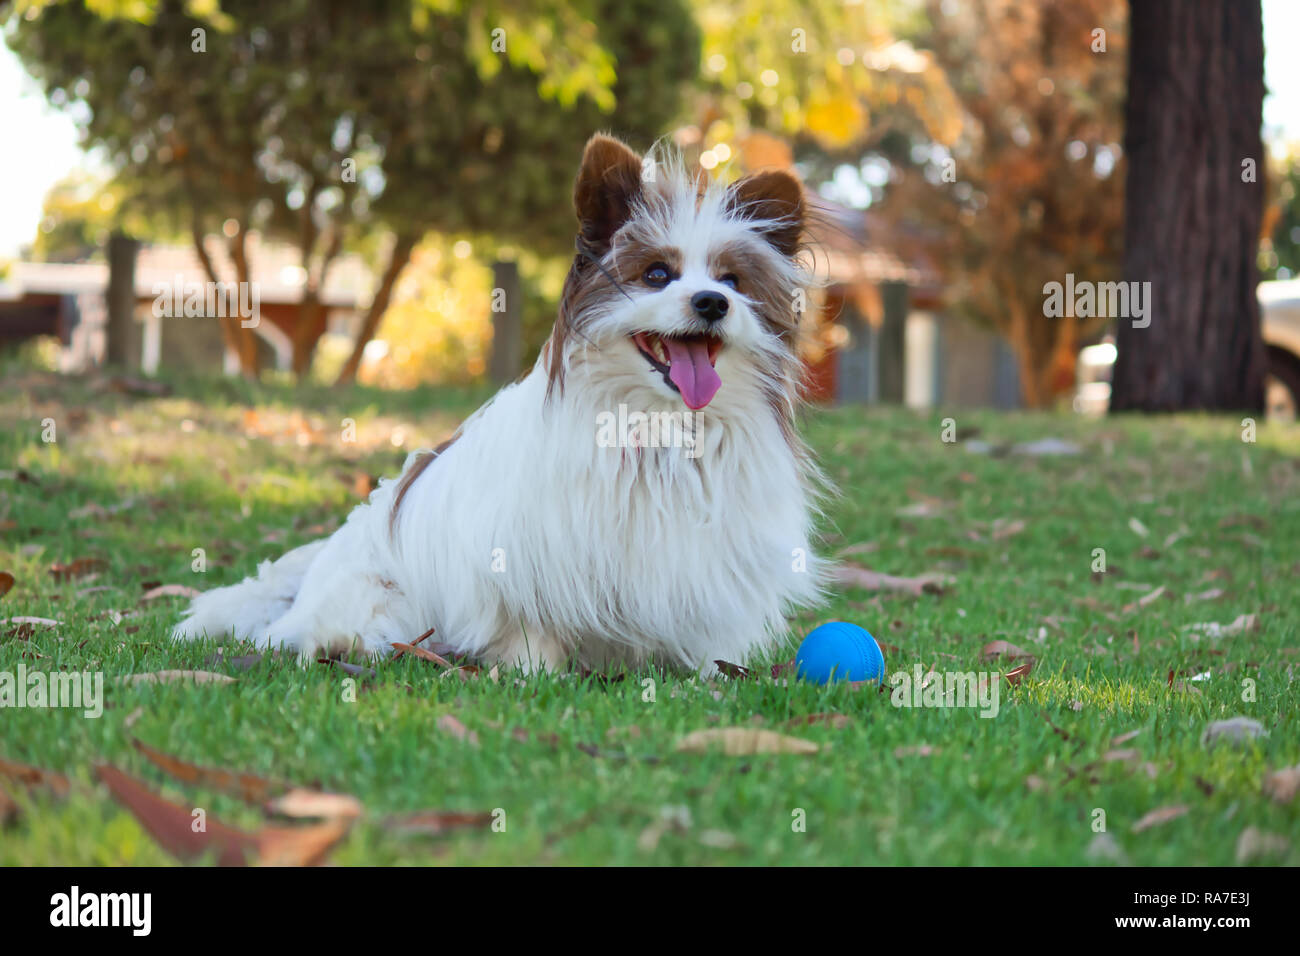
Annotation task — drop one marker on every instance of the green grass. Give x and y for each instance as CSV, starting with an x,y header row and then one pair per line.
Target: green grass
x,y
221,466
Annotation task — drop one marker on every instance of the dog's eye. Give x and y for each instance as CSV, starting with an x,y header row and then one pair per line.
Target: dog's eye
x,y
731,279
658,275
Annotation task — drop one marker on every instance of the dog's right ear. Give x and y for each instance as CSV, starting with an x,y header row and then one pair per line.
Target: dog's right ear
x,y
608,183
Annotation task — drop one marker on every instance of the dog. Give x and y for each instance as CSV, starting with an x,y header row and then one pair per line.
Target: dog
x,y
526,540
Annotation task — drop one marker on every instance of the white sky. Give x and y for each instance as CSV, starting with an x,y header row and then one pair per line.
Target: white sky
x,y
40,143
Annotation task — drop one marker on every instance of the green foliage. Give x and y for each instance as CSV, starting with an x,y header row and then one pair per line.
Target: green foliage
x,y
251,113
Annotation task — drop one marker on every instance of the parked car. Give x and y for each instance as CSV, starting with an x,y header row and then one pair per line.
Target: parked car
x,y
1279,312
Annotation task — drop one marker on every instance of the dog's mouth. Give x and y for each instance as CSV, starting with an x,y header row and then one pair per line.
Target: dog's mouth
x,y
686,363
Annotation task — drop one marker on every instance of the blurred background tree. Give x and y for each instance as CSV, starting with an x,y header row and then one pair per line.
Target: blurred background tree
x,y
325,122
1032,187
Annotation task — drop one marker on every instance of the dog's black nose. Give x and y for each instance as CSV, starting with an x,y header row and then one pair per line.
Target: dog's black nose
x,y
710,306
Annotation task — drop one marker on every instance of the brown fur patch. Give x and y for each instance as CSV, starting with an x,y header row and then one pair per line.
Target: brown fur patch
x,y
408,479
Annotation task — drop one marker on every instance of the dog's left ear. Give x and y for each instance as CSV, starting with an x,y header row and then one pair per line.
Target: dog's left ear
x,y
608,183
777,199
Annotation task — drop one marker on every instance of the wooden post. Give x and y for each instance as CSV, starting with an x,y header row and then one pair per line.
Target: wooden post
x,y
891,341
507,323
120,300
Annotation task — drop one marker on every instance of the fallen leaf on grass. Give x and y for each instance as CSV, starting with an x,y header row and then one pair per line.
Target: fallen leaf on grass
x,y
1138,528
1145,600
1005,649
1235,730
450,724
1212,594
421,653
34,621
169,590
77,568
1255,842
734,671
932,582
246,786
921,750
1283,785
35,777
1159,816
1014,677
1212,629
438,821
172,677
172,827
1125,737
6,583
356,670
304,802
838,721
744,741
1007,530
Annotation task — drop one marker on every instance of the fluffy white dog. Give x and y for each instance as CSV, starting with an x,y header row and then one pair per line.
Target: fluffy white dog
x,y
640,496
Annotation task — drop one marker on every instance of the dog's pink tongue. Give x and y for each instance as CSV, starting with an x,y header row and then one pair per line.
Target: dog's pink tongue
x,y
692,372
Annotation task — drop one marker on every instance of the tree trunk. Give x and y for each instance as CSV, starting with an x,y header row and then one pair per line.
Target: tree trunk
x,y
1194,200
229,324
249,361
507,323
403,246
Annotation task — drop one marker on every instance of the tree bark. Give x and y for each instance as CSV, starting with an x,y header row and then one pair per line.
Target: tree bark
x,y
403,246
507,323
1193,209
249,362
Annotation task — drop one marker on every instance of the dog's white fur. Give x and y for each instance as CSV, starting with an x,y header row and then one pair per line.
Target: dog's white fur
x,y
526,542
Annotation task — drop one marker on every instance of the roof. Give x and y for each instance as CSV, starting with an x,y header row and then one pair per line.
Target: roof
x,y
854,246
275,268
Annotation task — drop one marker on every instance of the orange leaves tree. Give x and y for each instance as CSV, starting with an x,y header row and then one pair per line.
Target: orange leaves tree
x,y
1032,187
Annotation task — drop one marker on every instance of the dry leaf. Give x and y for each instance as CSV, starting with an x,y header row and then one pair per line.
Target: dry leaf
x,y
172,827
1254,843
838,721
171,677
6,583
1145,600
921,750
1283,785
1007,530
1213,629
450,724
246,786
1005,649
77,568
744,741
1159,816
421,653
170,590
932,582
1138,528
303,802
1014,677
35,777
37,621
734,671
438,821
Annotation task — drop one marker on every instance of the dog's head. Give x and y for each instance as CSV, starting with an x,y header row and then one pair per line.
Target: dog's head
x,y
679,284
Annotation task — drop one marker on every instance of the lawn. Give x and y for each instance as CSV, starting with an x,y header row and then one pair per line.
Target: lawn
x,y
1106,727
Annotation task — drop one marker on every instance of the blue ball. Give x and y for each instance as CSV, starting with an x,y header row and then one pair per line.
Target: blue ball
x,y
839,650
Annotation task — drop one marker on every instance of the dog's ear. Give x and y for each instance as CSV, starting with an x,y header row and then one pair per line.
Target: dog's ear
x,y
775,198
608,183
